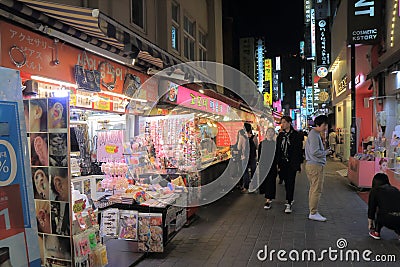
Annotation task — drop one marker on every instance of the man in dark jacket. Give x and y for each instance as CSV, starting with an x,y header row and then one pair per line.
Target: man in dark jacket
x,y
289,157
383,206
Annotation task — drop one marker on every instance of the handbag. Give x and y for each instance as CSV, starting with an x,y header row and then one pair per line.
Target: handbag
x,y
87,79
132,85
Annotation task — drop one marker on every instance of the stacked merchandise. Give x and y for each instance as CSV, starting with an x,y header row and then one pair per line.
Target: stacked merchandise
x,y
145,228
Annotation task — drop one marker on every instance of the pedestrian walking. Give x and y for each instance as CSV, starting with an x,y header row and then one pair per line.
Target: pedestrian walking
x,y
289,158
267,166
316,160
249,157
383,206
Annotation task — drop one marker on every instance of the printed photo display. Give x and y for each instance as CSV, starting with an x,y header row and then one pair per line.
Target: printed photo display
x,y
57,114
46,124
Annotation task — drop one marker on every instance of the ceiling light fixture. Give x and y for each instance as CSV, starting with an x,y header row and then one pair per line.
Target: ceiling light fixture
x,y
53,81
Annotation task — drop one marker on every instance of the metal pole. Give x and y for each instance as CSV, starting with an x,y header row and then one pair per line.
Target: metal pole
x,y
353,127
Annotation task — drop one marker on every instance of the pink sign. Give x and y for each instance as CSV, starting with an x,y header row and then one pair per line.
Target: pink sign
x,y
183,96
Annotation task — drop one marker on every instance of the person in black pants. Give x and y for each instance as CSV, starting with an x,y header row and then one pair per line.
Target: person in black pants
x,y
289,157
383,206
251,152
267,166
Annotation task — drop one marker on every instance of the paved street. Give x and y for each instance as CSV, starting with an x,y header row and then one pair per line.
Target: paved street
x,y
231,231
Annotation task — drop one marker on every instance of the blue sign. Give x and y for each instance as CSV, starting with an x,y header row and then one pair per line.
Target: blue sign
x,y
12,170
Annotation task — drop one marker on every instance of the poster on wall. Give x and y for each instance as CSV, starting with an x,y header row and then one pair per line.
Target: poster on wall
x,y
381,165
18,232
47,124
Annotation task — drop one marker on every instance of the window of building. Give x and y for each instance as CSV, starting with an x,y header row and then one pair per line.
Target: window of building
x,y
137,13
175,12
202,48
175,26
189,38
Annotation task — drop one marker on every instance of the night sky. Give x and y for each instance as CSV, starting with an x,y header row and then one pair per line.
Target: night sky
x,y
280,22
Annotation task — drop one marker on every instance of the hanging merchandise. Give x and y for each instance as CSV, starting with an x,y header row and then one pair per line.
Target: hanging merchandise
x,y
132,84
110,145
87,79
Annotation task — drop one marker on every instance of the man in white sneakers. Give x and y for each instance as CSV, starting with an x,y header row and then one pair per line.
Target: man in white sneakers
x,y
316,159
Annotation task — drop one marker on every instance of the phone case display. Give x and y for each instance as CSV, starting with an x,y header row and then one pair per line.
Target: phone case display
x,y
128,224
47,126
174,138
150,232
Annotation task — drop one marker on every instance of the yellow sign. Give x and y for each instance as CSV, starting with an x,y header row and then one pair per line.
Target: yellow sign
x,y
268,77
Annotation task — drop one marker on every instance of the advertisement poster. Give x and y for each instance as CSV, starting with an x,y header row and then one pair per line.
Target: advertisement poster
x,y
18,232
381,165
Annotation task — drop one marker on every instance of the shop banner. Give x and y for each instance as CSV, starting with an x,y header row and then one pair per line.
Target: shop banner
x,y
323,42
364,22
183,96
18,232
34,54
227,132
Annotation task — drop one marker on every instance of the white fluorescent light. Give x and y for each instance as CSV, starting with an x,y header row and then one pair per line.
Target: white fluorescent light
x,y
107,56
139,100
48,80
201,91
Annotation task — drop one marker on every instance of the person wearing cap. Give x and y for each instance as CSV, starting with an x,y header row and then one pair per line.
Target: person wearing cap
x,y
289,158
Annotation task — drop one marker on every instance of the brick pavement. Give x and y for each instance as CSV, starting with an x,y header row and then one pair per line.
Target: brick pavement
x,y
231,231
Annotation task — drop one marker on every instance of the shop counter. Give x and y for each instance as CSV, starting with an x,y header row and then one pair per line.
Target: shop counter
x,y
361,172
213,170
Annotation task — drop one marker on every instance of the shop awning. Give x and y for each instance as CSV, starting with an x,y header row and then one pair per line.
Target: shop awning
x,y
96,28
389,62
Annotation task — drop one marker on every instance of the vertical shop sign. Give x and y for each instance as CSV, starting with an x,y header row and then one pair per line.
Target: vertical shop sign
x,y
310,102
313,43
307,11
260,64
364,22
275,86
323,43
268,80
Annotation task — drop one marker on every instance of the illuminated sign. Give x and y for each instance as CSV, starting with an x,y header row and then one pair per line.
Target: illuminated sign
x,y
260,65
342,86
309,101
183,96
364,22
323,43
313,43
307,10
268,79
298,100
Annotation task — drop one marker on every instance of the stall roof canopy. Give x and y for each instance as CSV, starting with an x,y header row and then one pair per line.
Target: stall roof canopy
x,y
95,27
